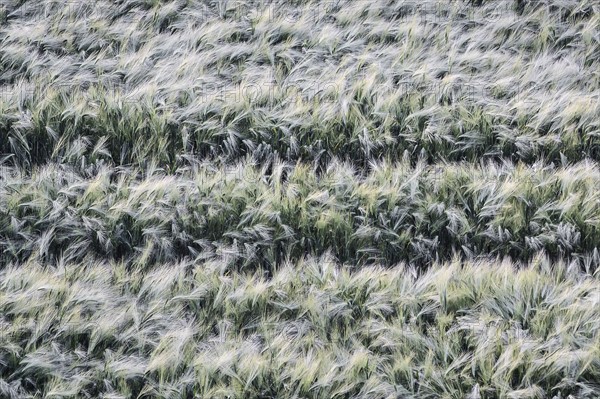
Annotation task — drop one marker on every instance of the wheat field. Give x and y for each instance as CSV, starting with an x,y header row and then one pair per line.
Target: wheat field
x,y
303,199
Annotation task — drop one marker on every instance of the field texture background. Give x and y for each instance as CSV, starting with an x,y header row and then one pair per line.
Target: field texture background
x,y
304,199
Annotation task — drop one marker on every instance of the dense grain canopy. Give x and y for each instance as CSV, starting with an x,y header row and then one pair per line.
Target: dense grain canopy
x,y
303,199
352,78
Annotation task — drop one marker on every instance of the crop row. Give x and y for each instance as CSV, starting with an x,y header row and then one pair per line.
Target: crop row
x,y
313,330
353,82
261,215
